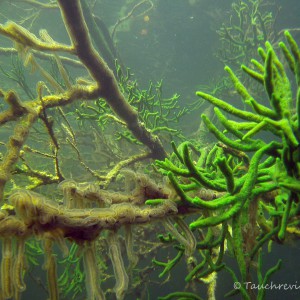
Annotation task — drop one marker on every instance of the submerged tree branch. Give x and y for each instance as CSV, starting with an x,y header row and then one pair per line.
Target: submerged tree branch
x,y
108,86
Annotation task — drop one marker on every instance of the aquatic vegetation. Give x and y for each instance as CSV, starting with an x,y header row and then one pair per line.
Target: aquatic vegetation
x,y
104,223
250,24
257,195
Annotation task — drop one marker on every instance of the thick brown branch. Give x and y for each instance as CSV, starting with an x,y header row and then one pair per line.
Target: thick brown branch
x,y
78,32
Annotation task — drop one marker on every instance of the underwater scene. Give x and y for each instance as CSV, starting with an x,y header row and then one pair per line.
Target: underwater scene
x,y
149,149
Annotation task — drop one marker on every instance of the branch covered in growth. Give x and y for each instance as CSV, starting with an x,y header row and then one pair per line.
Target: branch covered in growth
x,y
40,215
